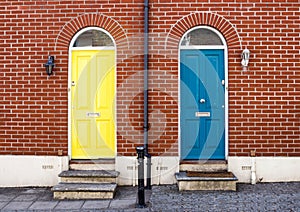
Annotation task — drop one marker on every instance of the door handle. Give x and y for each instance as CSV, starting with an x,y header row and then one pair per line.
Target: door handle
x,y
202,101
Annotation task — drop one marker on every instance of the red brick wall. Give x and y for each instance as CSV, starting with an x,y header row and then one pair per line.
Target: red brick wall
x,y
264,102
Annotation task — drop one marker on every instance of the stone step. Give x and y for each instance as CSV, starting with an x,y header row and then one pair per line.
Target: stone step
x,y
213,181
203,166
89,176
84,191
99,164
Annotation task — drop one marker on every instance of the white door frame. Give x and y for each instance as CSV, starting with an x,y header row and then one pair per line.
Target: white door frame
x,y
224,47
70,81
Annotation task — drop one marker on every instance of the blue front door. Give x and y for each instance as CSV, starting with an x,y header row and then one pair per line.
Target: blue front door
x,y
202,104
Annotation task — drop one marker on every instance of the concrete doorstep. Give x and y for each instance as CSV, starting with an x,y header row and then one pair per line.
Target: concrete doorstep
x,y
86,184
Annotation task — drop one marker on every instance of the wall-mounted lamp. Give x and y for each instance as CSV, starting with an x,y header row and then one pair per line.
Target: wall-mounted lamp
x,y
49,65
245,58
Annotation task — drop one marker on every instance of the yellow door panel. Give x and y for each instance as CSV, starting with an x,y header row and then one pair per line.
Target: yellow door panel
x,y
93,94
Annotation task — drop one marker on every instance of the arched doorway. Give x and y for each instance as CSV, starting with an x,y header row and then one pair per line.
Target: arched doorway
x,y
92,63
203,94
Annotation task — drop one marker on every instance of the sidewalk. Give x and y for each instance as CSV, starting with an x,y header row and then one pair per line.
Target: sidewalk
x,y
259,197
37,199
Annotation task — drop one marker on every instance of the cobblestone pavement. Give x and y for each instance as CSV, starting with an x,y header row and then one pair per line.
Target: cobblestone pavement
x,y
260,197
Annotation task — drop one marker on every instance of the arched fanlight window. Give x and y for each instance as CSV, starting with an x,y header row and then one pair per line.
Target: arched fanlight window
x,y
201,37
93,38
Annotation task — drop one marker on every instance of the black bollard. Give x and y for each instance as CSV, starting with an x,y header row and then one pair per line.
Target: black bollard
x,y
141,187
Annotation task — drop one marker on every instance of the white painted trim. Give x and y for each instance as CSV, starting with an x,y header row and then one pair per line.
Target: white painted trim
x,y
70,81
267,169
226,103
225,48
20,170
202,47
94,48
208,28
163,170
29,170
87,29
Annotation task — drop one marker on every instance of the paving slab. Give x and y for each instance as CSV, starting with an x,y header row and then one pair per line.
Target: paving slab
x,y
122,204
12,206
36,190
69,204
48,196
2,204
96,204
7,197
43,205
26,197
126,192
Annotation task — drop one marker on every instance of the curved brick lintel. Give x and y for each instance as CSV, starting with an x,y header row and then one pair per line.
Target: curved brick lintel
x,y
203,18
95,19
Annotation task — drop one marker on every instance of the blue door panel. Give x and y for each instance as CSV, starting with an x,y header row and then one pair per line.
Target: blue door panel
x,y
201,75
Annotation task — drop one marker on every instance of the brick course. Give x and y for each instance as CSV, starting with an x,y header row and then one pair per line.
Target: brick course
x,y
264,102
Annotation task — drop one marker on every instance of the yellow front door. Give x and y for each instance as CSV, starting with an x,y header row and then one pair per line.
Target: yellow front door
x,y
92,106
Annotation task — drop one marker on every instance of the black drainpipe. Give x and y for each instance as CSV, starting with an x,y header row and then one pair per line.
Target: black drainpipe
x,y
146,122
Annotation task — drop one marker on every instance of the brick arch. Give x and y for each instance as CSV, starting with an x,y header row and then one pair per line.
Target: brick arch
x,y
203,18
86,20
